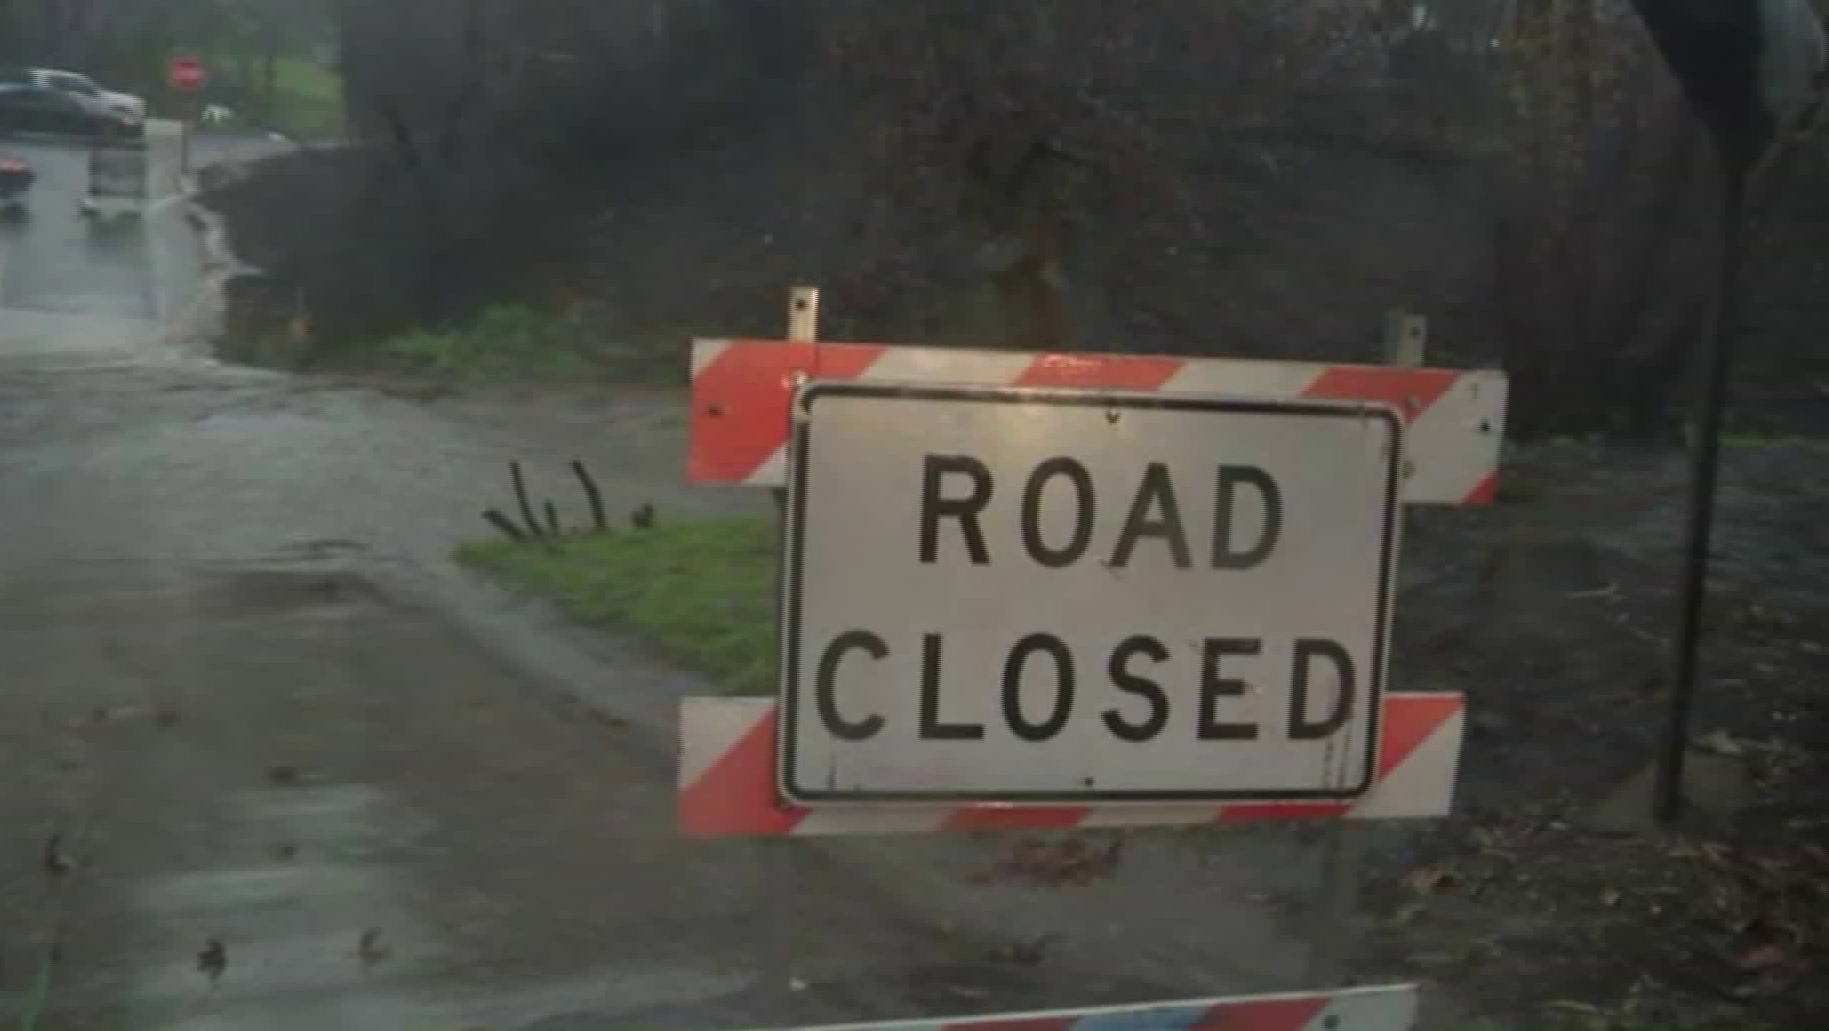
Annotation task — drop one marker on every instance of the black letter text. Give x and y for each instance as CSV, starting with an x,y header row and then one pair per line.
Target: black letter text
x,y
1155,492
1032,512
1012,687
931,727
1230,477
1142,687
966,509
1214,687
1301,728
825,685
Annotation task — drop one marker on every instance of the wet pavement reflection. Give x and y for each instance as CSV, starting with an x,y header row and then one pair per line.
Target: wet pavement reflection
x,y
296,771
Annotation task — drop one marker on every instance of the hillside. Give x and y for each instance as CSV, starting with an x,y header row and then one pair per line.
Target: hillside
x,y
1242,208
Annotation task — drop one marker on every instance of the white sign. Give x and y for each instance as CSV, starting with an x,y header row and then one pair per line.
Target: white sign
x,y
1008,595
117,172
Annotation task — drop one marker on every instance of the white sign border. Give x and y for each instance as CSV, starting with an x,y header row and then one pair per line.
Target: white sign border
x,y
793,552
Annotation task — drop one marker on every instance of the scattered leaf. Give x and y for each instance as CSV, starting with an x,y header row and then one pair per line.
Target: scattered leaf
x,y
1762,987
1721,743
213,959
56,862
1610,898
1765,957
1025,953
1430,879
370,949
1408,913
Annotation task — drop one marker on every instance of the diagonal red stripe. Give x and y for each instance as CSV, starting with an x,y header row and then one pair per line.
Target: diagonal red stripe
x,y
1108,372
1408,722
1485,492
1411,390
1263,1015
736,796
740,400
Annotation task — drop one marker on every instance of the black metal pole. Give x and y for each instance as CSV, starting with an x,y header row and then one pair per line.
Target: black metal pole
x,y
1705,453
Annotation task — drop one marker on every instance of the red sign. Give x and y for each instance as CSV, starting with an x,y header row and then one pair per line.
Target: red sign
x,y
187,73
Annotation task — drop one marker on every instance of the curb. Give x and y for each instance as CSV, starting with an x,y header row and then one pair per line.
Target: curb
x,y
213,233
200,321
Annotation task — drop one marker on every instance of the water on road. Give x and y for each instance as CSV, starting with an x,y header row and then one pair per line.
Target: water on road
x,y
273,762
262,768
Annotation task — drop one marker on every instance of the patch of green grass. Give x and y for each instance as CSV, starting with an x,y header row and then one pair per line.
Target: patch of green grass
x,y
309,80
307,97
535,343
701,592
504,340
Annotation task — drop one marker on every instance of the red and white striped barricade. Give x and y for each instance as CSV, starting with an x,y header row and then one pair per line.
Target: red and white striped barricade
x,y
742,389
769,413
743,392
1379,1008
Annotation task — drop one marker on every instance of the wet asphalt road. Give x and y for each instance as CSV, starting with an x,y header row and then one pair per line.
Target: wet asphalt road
x,y
248,694
246,700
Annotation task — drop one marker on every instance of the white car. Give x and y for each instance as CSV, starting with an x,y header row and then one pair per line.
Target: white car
x,y
126,106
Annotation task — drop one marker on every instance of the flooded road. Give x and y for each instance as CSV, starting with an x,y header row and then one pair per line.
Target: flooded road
x,y
264,771
275,762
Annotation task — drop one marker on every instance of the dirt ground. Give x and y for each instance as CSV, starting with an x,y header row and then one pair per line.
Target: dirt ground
x,y
1550,895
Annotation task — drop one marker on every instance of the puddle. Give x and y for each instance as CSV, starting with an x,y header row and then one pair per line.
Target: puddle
x,y
270,591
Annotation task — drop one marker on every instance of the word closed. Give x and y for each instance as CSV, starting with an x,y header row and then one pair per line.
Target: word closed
x,y
1005,595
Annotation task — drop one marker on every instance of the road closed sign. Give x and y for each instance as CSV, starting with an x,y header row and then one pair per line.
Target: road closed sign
x,y
1023,596
117,173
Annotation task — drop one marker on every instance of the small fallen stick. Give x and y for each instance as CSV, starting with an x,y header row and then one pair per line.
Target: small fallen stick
x,y
504,524
552,519
591,495
520,497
